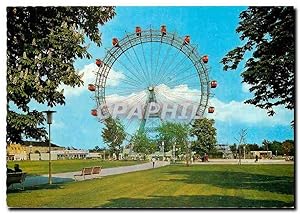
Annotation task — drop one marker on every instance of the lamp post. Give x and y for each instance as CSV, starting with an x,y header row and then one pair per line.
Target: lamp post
x,y
30,150
244,152
163,148
174,154
49,121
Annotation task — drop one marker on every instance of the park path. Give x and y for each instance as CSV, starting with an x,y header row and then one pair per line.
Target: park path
x,y
69,176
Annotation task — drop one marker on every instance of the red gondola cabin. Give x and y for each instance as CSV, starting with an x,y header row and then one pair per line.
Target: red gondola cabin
x,y
213,84
163,30
205,59
138,31
94,112
211,109
186,40
115,42
91,87
98,62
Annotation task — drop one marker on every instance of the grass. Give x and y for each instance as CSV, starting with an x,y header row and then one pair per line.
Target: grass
x,y
211,186
58,166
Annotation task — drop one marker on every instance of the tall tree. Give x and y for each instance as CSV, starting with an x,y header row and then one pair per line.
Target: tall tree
x,y
142,144
42,45
176,133
205,133
266,144
288,147
276,148
269,36
113,135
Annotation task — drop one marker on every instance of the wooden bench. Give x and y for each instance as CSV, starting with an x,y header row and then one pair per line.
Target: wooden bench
x,y
15,177
89,171
96,170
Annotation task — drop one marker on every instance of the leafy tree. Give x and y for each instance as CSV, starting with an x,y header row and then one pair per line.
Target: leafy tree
x,y
288,147
276,146
175,133
113,135
254,147
142,144
269,35
266,144
42,46
205,133
233,149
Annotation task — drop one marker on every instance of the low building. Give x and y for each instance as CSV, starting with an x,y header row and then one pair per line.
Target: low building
x,y
261,154
40,151
225,150
16,151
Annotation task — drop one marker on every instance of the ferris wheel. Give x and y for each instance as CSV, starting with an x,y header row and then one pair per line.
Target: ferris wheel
x,y
150,76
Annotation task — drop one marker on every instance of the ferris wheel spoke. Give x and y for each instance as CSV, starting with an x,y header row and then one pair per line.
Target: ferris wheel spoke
x,y
177,72
121,63
164,61
157,60
138,60
175,94
178,100
166,71
174,60
179,81
151,71
180,62
145,61
134,67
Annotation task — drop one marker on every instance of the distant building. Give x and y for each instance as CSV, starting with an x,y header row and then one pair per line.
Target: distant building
x,y
261,154
225,149
15,151
40,151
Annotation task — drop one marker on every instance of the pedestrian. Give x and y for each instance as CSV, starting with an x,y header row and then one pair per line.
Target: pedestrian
x,y
153,161
256,158
17,168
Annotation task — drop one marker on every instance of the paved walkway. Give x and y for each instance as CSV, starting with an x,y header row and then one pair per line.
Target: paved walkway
x,y
69,176
244,161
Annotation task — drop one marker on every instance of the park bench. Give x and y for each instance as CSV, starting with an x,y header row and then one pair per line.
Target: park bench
x,y
89,171
15,177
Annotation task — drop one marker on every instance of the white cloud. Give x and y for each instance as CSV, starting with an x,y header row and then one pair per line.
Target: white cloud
x,y
246,87
89,76
58,124
238,112
232,112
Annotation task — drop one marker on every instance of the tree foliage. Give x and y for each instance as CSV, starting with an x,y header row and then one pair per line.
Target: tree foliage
x,y
142,144
113,135
205,133
288,147
175,133
269,36
42,45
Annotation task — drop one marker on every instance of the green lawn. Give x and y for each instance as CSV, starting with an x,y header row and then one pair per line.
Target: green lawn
x,y
171,186
58,166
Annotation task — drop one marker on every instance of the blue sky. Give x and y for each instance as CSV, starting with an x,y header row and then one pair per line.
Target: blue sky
x,y
213,30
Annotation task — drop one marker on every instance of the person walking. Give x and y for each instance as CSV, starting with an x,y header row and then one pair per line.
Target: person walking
x,y
153,161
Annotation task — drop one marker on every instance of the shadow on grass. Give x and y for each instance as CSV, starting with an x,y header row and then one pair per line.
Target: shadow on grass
x,y
213,201
238,180
38,183
32,188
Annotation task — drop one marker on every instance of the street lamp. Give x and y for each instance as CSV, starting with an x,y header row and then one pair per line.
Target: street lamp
x,y
174,152
49,121
244,152
163,148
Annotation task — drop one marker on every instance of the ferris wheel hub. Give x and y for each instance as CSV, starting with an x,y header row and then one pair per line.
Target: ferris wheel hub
x,y
151,88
